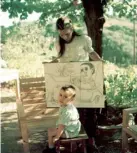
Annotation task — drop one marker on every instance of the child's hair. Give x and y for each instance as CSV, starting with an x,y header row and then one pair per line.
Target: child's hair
x,y
67,87
61,24
91,66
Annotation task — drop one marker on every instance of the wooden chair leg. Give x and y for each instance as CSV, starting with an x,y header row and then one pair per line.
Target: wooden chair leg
x,y
25,139
57,146
73,146
124,140
26,147
84,146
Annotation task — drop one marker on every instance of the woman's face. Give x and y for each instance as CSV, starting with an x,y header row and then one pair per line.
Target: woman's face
x,y
66,34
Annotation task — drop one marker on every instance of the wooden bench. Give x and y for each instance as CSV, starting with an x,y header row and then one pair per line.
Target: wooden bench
x,y
127,129
31,109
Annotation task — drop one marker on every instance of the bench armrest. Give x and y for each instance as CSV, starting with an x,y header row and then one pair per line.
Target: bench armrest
x,y
130,110
126,113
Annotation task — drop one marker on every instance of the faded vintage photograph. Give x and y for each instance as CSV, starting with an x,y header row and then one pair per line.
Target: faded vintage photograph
x,y
68,76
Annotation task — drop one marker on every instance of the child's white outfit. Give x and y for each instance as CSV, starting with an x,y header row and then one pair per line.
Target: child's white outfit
x,y
69,117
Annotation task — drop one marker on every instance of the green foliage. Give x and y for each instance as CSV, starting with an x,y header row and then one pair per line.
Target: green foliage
x,y
53,9
23,49
125,8
8,32
48,9
122,88
115,49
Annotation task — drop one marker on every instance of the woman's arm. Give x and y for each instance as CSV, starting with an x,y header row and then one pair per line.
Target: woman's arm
x,y
88,47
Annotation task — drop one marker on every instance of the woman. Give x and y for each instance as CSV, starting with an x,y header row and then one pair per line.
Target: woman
x,y
73,47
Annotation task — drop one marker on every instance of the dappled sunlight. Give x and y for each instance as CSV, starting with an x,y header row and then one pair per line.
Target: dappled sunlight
x,y
114,51
121,87
117,21
9,117
110,69
118,41
38,137
8,101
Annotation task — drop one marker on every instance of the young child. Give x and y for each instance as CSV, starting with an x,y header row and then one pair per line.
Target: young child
x,y
68,124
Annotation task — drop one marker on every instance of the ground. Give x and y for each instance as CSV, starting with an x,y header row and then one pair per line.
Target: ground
x,y
11,138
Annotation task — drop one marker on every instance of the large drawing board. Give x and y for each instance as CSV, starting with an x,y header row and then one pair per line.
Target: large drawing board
x,y
86,77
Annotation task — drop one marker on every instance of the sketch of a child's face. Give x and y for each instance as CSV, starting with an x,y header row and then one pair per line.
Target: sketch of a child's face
x,y
86,71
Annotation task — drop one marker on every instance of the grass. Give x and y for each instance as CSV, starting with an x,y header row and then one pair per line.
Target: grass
x,y
118,43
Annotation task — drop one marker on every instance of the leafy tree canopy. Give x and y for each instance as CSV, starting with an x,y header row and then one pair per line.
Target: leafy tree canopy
x,y
47,8
51,9
125,8
55,8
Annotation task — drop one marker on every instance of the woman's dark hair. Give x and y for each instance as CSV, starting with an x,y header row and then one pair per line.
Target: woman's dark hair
x,y
61,24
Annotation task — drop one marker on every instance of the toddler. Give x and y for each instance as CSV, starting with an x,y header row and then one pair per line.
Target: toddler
x,y
68,124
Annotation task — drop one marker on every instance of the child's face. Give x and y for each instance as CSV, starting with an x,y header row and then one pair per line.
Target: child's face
x,y
65,97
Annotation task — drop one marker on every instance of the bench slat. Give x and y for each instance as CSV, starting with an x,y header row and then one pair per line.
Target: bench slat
x,y
31,85
32,79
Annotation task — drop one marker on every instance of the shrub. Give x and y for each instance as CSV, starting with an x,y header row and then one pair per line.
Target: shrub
x,y
121,88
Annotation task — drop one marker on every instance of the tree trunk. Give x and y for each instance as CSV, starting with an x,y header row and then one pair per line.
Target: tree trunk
x,y
94,21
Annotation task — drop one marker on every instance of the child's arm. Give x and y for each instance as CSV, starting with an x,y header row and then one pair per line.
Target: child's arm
x,y
60,131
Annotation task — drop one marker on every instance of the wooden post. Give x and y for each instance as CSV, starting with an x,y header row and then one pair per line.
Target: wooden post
x,y
25,139
124,135
17,84
124,140
134,42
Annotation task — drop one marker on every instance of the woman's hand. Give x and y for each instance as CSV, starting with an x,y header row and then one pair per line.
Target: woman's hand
x,y
54,61
94,56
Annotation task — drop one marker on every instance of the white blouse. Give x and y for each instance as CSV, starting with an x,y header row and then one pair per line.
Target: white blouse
x,y
78,49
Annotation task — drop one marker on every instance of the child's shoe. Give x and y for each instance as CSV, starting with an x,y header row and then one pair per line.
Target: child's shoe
x,y
48,150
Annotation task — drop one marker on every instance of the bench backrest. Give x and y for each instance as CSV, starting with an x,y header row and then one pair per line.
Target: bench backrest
x,y
33,96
